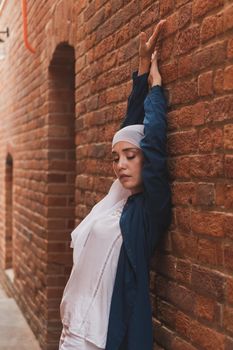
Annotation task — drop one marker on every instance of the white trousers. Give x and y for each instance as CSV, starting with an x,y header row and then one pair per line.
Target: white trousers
x,y
70,341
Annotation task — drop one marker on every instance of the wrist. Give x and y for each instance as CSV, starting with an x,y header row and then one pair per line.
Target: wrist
x,y
144,65
156,82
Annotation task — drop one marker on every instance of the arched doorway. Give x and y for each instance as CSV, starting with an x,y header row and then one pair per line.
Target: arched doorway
x,y
60,178
9,212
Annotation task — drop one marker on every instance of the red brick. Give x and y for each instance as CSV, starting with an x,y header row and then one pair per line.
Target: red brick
x,y
183,271
183,324
228,137
171,25
121,37
166,265
89,11
184,92
161,286
205,84
227,16
228,197
230,48
228,257
163,336
179,167
201,7
229,343
205,308
188,116
207,338
81,6
183,218
198,113
56,201
228,319
183,143
210,252
218,81
229,290
183,298
205,195
149,17
100,3
180,2
212,55
166,6
127,52
169,72
211,26
228,78
112,8
103,47
228,166
166,48
179,344
145,3
228,225
187,40
166,313
210,139
220,109
185,245
208,223
220,193
206,166
183,193
185,15
205,140
208,283
184,66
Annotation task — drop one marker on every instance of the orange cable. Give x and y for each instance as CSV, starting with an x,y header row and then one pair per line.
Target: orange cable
x,y
25,31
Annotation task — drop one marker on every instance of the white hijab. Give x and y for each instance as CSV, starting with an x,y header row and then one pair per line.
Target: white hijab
x,y
132,134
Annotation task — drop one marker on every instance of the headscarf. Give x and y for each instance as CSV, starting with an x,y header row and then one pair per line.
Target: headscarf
x,y
132,134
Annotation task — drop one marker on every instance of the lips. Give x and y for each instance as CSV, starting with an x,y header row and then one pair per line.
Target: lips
x,y
123,177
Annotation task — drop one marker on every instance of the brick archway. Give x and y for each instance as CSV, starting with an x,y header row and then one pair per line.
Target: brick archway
x,y
60,28
60,177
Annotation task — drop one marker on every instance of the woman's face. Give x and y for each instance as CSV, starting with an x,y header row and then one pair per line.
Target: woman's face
x,y
127,165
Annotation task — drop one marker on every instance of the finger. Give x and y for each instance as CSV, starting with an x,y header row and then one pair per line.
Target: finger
x,y
157,31
154,55
142,37
152,40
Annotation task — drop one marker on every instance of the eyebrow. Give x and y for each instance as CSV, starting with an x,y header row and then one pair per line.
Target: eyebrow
x,y
127,149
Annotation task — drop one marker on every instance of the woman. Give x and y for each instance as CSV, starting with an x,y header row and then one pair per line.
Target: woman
x,y
106,302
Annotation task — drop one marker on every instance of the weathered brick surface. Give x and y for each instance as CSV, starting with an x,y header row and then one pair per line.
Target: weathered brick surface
x,y
59,109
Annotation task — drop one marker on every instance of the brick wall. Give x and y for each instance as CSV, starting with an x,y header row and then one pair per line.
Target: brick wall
x,y
59,109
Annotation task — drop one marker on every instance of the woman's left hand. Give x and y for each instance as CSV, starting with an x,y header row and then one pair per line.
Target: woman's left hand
x,y
147,47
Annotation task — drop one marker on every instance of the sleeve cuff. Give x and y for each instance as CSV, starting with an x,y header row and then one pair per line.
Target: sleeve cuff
x,y
140,79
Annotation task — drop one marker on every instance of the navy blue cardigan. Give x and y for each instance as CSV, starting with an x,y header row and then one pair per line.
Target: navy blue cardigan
x,y
144,219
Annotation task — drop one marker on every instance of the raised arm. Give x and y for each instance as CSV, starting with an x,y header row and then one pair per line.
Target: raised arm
x,y
155,175
135,108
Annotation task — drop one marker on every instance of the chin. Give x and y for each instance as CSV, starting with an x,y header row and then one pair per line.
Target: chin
x,y
132,188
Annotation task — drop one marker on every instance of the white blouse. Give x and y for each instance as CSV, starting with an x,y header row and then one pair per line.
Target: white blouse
x,y
85,305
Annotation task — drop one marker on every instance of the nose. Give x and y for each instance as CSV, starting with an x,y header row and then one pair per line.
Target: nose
x,y
121,163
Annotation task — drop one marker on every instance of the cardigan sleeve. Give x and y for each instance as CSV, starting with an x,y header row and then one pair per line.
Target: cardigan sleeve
x,y
155,175
135,109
